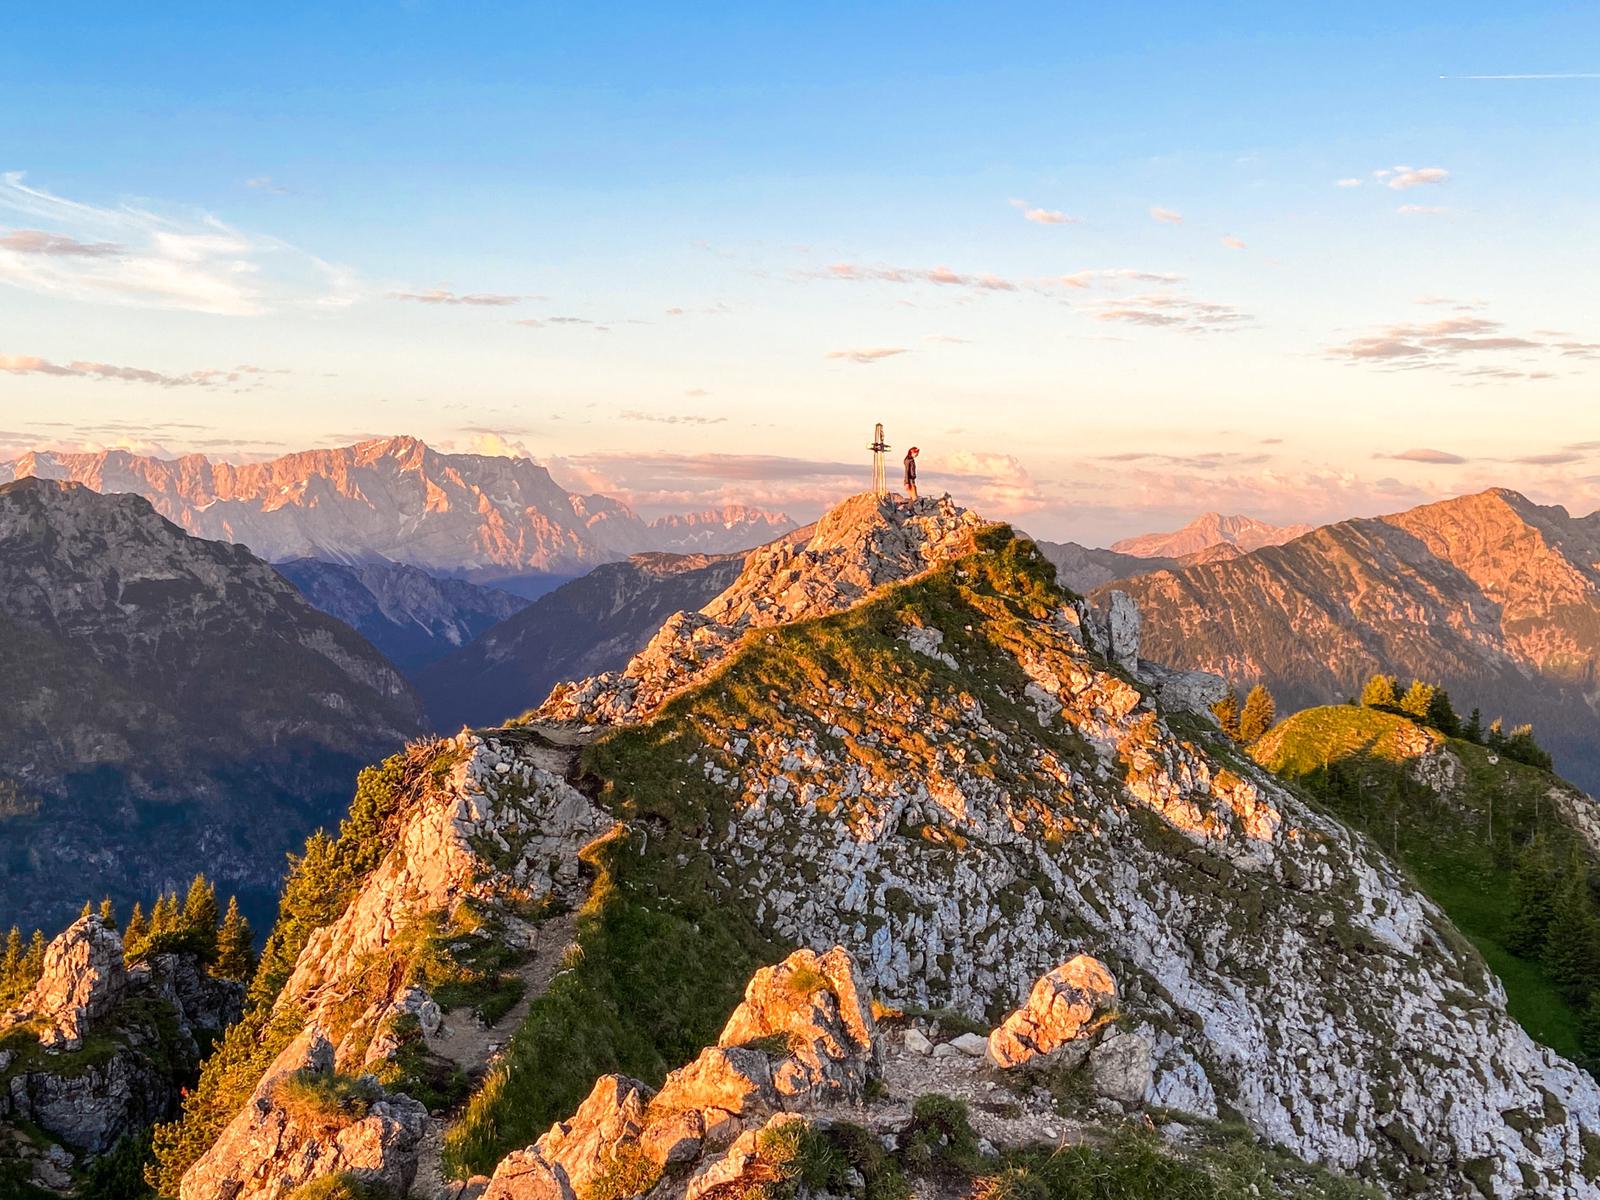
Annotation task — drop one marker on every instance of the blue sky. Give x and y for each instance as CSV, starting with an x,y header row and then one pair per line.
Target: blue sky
x,y
1098,264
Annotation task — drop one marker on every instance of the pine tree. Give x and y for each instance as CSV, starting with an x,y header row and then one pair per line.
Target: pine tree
x,y
164,916
235,945
1474,729
1379,692
1442,714
1533,889
1260,711
11,967
1495,739
1226,711
87,911
1417,700
136,933
200,910
1519,745
33,961
108,914
1572,943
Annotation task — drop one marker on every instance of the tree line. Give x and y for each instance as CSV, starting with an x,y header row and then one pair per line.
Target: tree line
x,y
1429,704
221,940
1246,723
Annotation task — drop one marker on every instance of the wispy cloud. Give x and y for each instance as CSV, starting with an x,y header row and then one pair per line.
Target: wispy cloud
x,y
265,183
1455,344
445,296
133,255
37,241
1169,310
868,354
29,364
1049,216
1437,458
1348,182
634,414
1167,215
1421,210
941,276
1233,243
1403,178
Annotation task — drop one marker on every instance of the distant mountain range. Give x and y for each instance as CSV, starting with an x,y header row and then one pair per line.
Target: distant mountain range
x,y
593,624
1207,532
1490,595
396,499
413,617
169,704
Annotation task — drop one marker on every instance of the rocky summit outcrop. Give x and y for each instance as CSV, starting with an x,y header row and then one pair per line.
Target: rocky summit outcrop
x,y
84,979
1490,596
303,1122
97,1050
170,702
860,545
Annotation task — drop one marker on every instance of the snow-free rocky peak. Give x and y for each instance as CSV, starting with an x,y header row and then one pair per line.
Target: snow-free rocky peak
x,y
858,546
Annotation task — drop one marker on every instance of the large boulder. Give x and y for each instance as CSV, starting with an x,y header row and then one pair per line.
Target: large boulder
x,y
816,1005
525,1175
83,981
1063,1006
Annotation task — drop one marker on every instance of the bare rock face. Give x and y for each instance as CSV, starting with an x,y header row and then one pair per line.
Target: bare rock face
x,y
83,980
1062,1007
817,1003
578,1149
1120,1067
741,1171
858,546
269,1149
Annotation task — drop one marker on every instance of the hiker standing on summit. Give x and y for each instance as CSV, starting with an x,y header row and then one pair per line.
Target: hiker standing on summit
x,y
911,473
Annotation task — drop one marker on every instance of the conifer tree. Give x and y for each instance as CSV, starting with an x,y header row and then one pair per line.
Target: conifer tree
x,y
136,933
1572,942
108,914
1260,710
164,916
1474,728
33,961
1495,739
1533,889
1520,746
1226,711
1442,714
87,910
235,945
11,967
1417,700
1379,692
200,911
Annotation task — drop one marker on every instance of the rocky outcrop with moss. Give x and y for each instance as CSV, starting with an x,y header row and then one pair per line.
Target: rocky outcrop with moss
x,y
97,1050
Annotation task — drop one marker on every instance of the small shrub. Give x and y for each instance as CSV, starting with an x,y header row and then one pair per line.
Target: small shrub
x,y
941,1134
343,1186
628,1172
324,1101
805,980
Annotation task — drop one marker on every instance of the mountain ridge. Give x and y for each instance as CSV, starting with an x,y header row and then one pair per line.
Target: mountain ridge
x,y
398,499
1209,530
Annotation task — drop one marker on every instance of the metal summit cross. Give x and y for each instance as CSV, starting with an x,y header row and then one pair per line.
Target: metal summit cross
x,y
878,447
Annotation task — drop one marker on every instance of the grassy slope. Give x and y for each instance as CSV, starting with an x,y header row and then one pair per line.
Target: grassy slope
x,y
1461,848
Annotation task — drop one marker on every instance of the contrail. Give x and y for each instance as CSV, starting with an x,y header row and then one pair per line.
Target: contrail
x,y
1563,75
